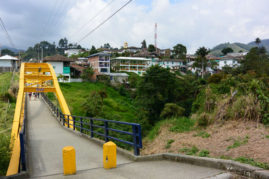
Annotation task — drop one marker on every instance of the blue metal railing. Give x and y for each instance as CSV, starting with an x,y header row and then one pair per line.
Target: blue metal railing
x,y
90,126
23,140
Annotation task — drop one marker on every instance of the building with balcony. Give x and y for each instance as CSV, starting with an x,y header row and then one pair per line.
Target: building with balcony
x,y
137,65
100,62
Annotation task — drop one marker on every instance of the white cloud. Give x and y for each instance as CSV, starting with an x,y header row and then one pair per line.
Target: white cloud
x,y
193,23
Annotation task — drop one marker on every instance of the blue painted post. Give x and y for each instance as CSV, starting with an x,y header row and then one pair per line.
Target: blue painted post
x,y
74,122
81,125
22,152
63,119
106,131
135,141
68,118
91,127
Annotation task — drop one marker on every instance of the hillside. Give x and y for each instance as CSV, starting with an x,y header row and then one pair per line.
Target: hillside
x,y
238,47
15,50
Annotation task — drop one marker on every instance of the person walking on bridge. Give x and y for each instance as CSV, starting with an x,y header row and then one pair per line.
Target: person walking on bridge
x,y
30,94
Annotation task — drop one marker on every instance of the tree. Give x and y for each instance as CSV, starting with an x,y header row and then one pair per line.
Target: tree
x,y
258,41
201,58
107,46
7,52
179,51
227,50
144,44
93,50
87,73
93,105
156,88
151,48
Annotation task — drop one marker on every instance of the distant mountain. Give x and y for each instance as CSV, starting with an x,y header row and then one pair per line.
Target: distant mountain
x,y
264,43
237,47
15,50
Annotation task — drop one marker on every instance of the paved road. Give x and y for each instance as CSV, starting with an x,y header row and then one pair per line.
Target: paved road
x,y
47,138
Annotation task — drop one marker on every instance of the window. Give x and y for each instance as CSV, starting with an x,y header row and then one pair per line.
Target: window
x,y
103,69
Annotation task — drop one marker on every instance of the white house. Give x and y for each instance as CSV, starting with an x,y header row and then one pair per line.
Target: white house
x,y
70,52
8,63
227,62
61,66
169,63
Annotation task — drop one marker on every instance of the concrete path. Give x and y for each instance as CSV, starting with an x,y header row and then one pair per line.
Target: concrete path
x,y
47,138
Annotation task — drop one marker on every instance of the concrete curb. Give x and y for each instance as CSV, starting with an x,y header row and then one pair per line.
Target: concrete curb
x,y
227,165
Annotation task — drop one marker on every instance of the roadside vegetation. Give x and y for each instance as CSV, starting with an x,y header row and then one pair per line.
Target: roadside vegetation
x,y
8,92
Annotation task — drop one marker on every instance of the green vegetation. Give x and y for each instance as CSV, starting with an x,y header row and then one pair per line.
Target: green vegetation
x,y
204,153
169,142
238,143
189,151
267,136
252,162
202,134
8,92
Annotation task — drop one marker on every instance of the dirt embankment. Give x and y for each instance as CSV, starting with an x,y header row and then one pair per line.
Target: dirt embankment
x,y
248,139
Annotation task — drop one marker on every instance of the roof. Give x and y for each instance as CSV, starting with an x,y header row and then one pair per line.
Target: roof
x,y
99,54
171,60
57,58
131,58
78,67
8,57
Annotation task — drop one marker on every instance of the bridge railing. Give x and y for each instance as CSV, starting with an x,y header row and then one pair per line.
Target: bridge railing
x,y
22,135
90,126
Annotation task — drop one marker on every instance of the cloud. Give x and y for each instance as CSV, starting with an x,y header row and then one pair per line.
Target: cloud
x,y
193,23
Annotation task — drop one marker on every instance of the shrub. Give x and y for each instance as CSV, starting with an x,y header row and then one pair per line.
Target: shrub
x,y
87,74
216,78
169,142
172,110
103,79
4,153
93,104
203,119
181,124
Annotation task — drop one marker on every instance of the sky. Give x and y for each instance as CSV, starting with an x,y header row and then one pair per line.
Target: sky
x,y
193,23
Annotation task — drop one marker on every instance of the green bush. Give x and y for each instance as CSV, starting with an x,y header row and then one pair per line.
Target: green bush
x,y
216,78
182,124
172,110
203,119
93,105
169,142
4,153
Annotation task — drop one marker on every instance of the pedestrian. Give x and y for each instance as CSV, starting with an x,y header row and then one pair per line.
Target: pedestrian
x,y
30,94
37,95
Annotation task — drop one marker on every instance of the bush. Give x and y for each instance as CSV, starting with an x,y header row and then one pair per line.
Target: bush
x,y
87,74
216,78
93,105
172,110
4,153
203,119
203,153
103,79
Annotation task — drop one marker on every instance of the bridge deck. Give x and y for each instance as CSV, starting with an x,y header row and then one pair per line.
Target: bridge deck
x,y
47,138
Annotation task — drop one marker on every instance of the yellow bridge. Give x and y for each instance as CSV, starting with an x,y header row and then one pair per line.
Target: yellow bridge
x,y
34,77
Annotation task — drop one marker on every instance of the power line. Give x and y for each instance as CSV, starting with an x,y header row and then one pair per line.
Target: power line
x,y
8,36
104,21
96,15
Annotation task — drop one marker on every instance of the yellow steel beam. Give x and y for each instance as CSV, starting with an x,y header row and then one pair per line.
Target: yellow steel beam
x,y
36,69
15,141
41,77
39,89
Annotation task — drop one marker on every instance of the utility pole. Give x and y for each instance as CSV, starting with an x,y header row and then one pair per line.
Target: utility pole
x,y
155,37
41,54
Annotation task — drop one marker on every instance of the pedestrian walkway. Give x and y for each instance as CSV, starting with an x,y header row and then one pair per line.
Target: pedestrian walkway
x,y
46,138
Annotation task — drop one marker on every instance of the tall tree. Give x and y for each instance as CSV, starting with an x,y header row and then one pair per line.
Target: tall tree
x,y
201,57
151,48
144,44
7,52
93,50
258,41
179,51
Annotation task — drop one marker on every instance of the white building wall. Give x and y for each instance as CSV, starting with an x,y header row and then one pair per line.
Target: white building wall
x,y
5,63
230,63
58,67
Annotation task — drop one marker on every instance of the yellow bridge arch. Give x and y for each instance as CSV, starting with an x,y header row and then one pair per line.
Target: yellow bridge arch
x,y
34,77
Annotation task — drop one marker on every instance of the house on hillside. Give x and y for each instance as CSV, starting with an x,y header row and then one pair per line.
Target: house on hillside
x,y
8,63
61,66
137,65
173,64
100,62
70,52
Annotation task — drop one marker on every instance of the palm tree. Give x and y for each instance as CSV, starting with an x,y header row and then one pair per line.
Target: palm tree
x,y
201,53
258,41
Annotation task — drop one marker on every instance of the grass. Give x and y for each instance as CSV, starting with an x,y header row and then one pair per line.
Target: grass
x,y
169,142
179,125
246,160
204,153
189,151
202,134
238,143
267,136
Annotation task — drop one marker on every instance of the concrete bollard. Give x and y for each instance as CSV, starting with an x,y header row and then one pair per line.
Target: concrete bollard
x,y
110,155
69,160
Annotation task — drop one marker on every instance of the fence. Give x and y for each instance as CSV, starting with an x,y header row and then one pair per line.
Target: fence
x,y
23,139
88,125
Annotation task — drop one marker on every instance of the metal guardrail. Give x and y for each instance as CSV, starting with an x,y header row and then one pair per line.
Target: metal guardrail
x,y
88,124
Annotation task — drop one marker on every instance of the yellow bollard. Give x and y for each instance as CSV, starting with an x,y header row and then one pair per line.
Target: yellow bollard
x,y
110,155
69,160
